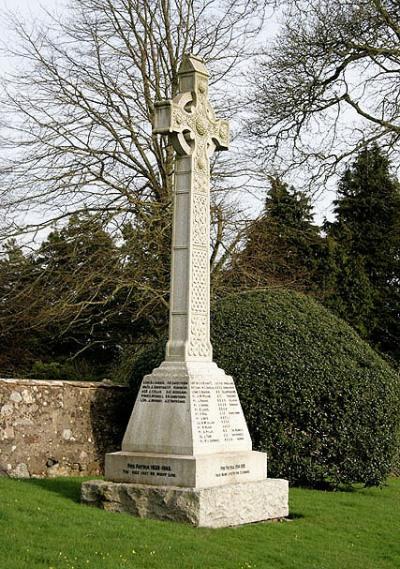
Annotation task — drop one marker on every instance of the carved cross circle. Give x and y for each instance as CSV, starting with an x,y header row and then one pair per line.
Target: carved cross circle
x,y
194,127
190,121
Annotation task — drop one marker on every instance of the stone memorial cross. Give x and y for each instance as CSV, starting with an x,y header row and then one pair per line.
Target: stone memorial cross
x,y
195,132
187,453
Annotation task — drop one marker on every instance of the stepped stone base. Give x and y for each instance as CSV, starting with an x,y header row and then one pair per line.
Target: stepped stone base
x,y
216,507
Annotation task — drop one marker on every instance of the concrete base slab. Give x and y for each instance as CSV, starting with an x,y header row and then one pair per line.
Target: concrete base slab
x,y
216,507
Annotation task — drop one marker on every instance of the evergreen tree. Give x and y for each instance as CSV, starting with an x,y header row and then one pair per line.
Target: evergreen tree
x,y
18,303
71,307
78,272
366,234
282,246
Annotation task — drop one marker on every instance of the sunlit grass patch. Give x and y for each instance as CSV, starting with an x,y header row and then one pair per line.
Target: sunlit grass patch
x,y
43,525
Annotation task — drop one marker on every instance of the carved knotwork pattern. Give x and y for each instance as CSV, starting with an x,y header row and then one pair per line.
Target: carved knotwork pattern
x,y
199,281
200,219
199,345
201,170
201,184
224,132
177,119
200,167
203,88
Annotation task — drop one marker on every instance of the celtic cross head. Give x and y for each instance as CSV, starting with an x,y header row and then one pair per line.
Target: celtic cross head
x,y
189,118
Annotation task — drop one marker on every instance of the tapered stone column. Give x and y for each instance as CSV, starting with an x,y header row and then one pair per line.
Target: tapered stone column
x,y
195,133
187,437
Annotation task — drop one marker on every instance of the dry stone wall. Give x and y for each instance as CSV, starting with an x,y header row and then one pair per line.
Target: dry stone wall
x,y
60,428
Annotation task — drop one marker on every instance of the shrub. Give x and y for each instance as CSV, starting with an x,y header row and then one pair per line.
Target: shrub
x,y
63,370
317,398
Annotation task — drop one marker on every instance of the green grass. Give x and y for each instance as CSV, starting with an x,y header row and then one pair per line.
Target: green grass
x,y
42,525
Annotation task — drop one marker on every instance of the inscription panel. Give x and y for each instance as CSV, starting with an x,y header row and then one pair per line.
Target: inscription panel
x,y
151,470
217,413
201,471
228,470
163,391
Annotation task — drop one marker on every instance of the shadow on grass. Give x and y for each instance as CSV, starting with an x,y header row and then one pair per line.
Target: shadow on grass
x,y
330,487
295,516
69,488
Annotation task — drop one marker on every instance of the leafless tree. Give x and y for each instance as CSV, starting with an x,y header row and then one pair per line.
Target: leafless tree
x,y
328,85
77,112
76,119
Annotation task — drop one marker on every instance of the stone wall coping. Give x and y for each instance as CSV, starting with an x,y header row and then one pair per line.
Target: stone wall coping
x,y
61,383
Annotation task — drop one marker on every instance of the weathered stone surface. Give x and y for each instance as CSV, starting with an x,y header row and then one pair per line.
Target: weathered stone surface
x,y
59,428
16,396
7,410
21,471
216,507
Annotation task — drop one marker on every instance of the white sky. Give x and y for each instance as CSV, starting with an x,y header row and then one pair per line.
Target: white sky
x,y
30,10
32,5
27,8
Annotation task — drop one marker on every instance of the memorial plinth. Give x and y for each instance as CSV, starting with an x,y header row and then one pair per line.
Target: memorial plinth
x,y
187,453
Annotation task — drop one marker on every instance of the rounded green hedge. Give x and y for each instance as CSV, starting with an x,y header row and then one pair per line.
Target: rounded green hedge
x,y
317,398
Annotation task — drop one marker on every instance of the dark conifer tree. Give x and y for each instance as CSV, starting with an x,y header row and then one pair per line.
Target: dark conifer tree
x,y
73,306
366,234
282,247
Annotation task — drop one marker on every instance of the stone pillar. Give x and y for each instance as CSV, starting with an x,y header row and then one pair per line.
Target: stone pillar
x,y
195,132
187,441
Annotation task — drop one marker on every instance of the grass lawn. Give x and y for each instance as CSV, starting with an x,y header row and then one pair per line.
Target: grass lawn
x,y
42,525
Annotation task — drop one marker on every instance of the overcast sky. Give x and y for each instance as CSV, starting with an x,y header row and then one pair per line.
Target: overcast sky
x,y
29,7
32,5
30,10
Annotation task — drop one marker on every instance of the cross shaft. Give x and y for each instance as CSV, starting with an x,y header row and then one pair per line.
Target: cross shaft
x,y
195,132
